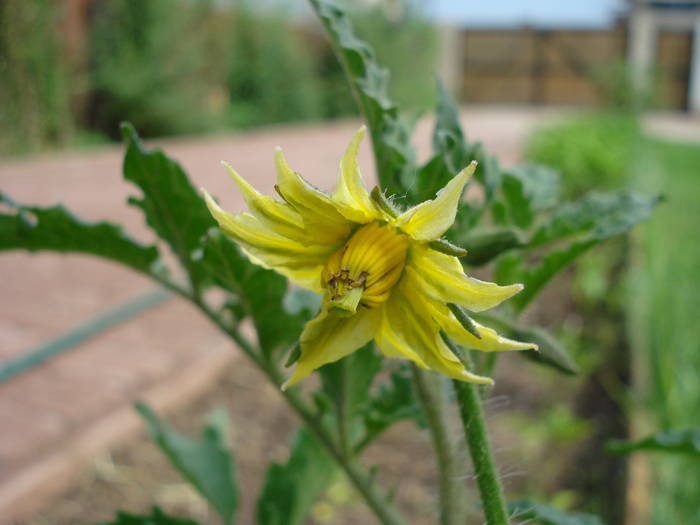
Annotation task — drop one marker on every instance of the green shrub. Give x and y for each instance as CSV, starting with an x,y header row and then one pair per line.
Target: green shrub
x,y
589,151
150,65
271,75
34,90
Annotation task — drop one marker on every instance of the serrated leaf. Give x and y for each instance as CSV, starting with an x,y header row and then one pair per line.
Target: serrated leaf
x,y
393,153
523,511
594,219
206,463
450,150
358,370
598,216
676,441
528,190
290,489
395,401
261,292
56,229
484,246
171,205
157,517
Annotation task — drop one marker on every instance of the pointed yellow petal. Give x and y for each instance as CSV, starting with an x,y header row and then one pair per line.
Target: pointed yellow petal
x,y
408,331
429,220
316,208
280,217
490,340
330,337
443,278
302,264
351,196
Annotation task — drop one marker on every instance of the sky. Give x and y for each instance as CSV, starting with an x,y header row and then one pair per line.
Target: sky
x,y
499,13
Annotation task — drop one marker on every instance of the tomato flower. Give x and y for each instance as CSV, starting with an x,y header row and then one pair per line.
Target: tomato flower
x,y
378,270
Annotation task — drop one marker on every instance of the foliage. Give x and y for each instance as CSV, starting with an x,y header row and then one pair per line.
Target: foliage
x,y
34,78
147,65
291,489
206,463
157,517
678,442
663,295
405,41
271,75
548,515
589,151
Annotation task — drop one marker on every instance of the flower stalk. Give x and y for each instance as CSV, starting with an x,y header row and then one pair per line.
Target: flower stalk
x,y
434,404
476,435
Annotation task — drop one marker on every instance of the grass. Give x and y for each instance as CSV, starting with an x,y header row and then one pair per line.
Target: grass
x,y
664,303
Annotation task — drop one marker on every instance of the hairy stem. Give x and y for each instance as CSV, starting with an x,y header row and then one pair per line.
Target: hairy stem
x,y
358,475
476,435
434,403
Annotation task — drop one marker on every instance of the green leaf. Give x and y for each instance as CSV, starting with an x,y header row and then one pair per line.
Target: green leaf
x,y
156,518
206,463
170,203
551,351
598,216
451,152
393,153
290,489
527,190
358,369
587,223
395,401
262,292
56,229
523,511
484,246
677,441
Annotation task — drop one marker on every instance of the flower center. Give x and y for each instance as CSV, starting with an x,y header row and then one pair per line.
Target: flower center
x,y
366,268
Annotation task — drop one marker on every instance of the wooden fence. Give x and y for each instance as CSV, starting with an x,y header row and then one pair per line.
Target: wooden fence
x,y
565,67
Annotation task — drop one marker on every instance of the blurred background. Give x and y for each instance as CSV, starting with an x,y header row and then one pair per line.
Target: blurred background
x,y
607,92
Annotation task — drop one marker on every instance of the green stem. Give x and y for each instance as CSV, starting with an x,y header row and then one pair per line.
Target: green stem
x,y
343,403
434,405
476,434
359,477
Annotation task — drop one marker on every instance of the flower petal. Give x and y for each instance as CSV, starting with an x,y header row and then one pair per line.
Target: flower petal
x,y
317,209
330,337
490,340
301,263
280,217
430,219
409,331
443,278
351,196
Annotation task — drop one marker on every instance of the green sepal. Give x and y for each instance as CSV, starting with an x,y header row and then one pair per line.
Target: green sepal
x,y
294,356
485,246
446,247
464,319
380,200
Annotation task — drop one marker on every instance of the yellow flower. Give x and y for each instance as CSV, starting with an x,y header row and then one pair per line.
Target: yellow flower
x,y
376,269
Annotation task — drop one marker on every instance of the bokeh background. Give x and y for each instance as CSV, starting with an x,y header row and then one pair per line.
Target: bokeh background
x,y
606,92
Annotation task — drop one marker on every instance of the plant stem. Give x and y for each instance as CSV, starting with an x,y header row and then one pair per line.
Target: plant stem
x,y
434,405
343,404
476,434
360,478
